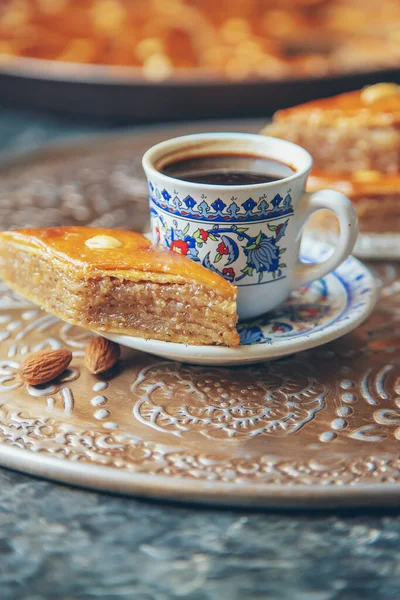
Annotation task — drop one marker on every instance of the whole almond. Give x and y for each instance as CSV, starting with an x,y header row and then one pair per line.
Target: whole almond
x,y
44,366
101,355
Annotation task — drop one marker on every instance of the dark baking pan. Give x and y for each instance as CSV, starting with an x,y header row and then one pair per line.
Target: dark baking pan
x,y
123,94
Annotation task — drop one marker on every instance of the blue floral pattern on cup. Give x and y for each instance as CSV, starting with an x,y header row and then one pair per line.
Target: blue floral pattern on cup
x,y
263,252
218,211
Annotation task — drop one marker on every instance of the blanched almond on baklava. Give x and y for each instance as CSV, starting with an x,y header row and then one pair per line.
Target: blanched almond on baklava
x,y
350,132
116,281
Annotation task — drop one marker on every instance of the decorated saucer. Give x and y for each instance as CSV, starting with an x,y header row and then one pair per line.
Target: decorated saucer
x,y
313,315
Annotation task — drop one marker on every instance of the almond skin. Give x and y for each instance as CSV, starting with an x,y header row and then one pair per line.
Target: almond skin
x,y
101,355
44,366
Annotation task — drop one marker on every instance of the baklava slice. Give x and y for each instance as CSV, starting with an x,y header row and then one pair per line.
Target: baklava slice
x,y
375,195
117,281
351,132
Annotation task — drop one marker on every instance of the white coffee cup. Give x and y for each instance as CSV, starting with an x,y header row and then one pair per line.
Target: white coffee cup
x,y
250,234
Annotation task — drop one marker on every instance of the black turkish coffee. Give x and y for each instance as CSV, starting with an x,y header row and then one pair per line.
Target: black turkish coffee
x,y
228,169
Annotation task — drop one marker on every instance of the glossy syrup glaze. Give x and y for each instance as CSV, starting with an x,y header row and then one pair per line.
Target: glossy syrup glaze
x,y
359,184
135,253
352,104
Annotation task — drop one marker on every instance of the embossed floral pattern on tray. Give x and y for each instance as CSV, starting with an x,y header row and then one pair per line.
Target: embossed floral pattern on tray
x,y
50,437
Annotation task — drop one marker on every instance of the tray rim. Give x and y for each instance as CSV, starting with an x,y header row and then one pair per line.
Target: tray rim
x,y
184,490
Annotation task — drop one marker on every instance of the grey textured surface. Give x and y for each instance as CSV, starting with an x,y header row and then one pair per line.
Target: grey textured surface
x,y
63,543
58,542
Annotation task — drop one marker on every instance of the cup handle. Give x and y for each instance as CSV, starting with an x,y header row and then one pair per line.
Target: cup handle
x,y
345,212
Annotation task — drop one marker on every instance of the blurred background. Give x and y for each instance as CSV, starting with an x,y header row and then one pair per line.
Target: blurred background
x,y
142,60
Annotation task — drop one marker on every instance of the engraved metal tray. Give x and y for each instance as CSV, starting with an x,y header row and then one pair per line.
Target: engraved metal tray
x,y
321,428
